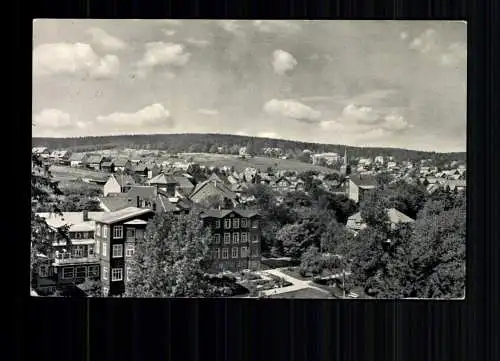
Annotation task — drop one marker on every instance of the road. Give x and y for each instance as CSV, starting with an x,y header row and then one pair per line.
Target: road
x,y
296,283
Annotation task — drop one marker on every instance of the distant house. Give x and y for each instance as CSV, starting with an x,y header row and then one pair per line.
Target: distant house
x,y
355,223
77,159
379,159
94,161
328,158
283,184
141,170
108,167
118,183
122,164
164,182
60,157
212,188
43,152
357,186
153,169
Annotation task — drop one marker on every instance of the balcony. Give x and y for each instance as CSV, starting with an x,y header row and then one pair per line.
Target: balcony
x,y
66,259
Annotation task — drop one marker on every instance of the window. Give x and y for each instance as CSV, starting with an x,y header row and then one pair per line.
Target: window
x,y
130,232
218,253
129,273
77,251
244,223
98,229
224,253
105,273
117,250
217,238
93,271
104,231
236,223
255,239
117,232
105,291
234,252
116,274
97,247
81,272
227,238
244,252
244,237
43,270
217,223
236,237
91,250
129,250
255,224
227,224
68,272
104,249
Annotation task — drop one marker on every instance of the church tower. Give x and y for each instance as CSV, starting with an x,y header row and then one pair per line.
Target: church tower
x,y
345,169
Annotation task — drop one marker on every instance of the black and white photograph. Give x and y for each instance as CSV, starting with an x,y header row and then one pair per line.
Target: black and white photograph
x,y
295,159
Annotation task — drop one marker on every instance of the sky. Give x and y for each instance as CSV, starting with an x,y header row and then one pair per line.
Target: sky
x,y
361,83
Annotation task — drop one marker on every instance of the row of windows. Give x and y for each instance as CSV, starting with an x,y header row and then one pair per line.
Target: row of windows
x,y
116,274
243,252
80,272
117,231
235,223
243,237
117,250
76,252
81,235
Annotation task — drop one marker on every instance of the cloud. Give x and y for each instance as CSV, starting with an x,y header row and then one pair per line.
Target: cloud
x,y
331,125
395,122
426,42
197,42
160,54
168,75
454,55
374,134
52,119
276,26
152,115
231,26
78,58
403,35
169,32
209,112
106,41
283,62
291,109
360,114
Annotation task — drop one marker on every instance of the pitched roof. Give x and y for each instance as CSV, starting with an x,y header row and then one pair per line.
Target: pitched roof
x,y
114,203
68,218
123,179
107,164
140,168
221,213
395,216
363,180
214,188
183,181
120,162
77,157
123,214
94,158
215,177
144,192
162,179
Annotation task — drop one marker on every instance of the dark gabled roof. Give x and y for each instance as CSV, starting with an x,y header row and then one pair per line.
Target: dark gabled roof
x,y
214,177
218,188
363,180
124,179
107,164
163,179
144,192
183,181
114,203
77,157
120,162
94,158
123,214
140,168
221,213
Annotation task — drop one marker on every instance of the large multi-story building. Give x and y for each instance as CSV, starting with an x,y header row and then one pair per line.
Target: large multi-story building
x,y
69,261
116,234
235,244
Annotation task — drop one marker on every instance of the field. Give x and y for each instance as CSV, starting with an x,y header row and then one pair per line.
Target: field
x,y
61,173
303,293
261,163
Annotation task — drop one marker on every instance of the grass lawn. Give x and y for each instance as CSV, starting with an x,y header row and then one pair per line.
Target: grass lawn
x,y
261,163
294,272
68,173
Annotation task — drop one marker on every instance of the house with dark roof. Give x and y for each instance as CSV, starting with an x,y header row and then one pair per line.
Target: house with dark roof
x,y
355,223
77,159
213,189
118,183
94,161
117,234
235,243
43,152
122,164
356,186
108,167
141,170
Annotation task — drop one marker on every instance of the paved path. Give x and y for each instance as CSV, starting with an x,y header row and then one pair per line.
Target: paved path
x,y
296,283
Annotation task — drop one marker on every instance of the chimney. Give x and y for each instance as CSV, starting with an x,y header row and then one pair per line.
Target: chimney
x,y
85,216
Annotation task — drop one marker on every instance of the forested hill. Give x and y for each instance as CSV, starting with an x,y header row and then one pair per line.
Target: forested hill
x,y
194,143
